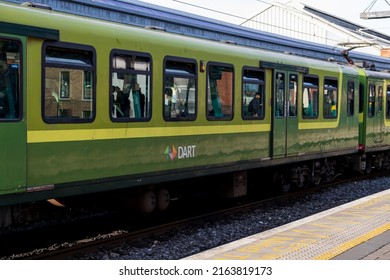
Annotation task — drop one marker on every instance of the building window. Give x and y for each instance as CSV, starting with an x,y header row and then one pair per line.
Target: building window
x,y
180,89
130,93
220,91
64,72
310,97
87,93
64,91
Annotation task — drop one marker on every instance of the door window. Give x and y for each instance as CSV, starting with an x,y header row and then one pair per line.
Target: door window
x,y
10,71
279,98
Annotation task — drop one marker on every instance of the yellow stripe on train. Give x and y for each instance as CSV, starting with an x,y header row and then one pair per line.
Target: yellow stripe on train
x,y
44,136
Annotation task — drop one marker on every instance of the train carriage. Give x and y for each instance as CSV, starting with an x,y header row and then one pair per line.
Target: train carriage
x,y
313,115
374,120
88,106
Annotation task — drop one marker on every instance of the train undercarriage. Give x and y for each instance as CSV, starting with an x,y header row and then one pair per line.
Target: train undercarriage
x,y
237,184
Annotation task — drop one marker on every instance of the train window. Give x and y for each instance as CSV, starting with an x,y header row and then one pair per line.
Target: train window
x,y
361,98
130,92
279,95
180,89
371,100
388,102
292,95
310,97
69,83
253,89
330,99
350,98
380,98
10,80
220,91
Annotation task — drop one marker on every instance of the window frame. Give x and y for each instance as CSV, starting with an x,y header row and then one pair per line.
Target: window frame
x,y
327,87
20,85
380,97
371,112
194,76
362,91
318,96
296,95
225,65
137,72
68,65
387,102
279,103
350,108
262,94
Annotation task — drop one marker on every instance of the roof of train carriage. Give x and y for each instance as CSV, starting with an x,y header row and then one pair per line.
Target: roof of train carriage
x,y
142,14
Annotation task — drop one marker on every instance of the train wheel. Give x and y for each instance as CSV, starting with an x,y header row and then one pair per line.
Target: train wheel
x,y
303,177
5,216
147,202
281,183
163,199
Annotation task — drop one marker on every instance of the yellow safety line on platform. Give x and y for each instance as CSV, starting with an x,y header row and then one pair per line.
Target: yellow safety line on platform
x,y
352,243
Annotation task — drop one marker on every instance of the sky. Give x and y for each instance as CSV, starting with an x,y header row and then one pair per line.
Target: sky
x,y
234,11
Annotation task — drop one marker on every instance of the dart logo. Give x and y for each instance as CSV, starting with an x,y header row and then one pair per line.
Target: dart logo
x,y
180,153
170,152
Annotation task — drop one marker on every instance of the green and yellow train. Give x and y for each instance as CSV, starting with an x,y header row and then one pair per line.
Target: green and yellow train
x,y
88,106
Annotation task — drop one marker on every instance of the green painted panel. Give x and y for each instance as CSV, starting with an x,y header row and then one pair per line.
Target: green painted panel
x,y
58,162
292,136
327,140
12,156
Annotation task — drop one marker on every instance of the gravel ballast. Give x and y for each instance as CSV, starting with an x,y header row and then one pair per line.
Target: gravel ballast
x,y
197,238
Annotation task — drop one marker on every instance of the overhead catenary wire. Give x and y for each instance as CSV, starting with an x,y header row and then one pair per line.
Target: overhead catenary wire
x,y
251,19
370,6
254,19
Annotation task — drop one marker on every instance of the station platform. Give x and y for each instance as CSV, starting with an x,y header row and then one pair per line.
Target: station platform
x,y
353,231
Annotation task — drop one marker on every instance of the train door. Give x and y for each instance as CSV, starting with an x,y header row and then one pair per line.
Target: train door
x,y
12,121
379,120
285,121
375,112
